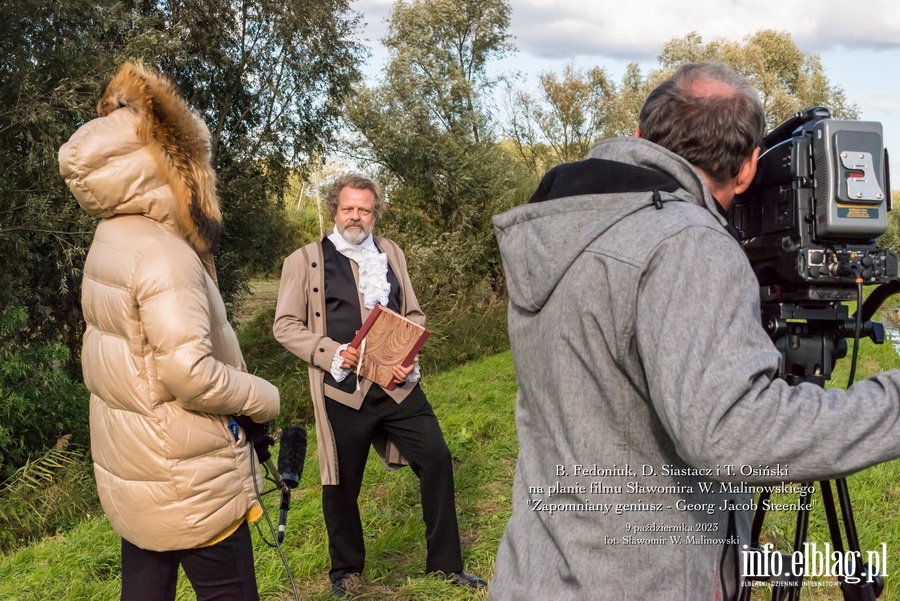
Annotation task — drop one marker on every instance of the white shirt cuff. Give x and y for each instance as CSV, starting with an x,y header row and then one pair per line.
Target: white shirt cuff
x,y
415,375
337,372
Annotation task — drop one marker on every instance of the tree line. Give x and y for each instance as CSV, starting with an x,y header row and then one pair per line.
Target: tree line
x,y
278,83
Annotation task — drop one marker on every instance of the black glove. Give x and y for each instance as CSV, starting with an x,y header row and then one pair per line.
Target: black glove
x,y
259,436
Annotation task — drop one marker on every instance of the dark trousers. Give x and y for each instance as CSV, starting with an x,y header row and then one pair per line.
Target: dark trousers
x,y
221,572
413,427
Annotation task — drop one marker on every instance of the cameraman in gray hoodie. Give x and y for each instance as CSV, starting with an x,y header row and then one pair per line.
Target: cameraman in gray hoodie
x,y
648,404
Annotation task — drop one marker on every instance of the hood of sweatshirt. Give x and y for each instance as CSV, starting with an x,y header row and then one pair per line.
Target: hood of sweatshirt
x,y
577,202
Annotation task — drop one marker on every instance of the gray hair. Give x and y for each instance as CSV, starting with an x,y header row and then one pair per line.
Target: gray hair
x,y
357,182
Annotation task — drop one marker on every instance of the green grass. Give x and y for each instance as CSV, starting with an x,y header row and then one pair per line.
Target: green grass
x,y
475,406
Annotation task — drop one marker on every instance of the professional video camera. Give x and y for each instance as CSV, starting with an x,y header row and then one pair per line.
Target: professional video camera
x,y
809,223
810,219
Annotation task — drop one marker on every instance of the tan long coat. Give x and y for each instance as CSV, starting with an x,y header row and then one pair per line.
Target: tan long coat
x,y
300,326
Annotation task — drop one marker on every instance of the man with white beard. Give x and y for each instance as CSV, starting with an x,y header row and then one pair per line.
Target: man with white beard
x,y
328,288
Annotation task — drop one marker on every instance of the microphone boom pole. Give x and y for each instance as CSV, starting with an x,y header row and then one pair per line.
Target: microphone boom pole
x,y
291,455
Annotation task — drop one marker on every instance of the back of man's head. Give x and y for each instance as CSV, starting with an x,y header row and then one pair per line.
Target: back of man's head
x,y
707,114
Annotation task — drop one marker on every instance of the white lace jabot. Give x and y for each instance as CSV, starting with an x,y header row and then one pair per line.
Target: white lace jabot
x,y
373,268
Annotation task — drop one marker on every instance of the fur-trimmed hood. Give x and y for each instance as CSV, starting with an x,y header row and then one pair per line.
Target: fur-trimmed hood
x,y
162,363
146,153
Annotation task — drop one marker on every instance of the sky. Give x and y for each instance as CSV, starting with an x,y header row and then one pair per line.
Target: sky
x,y
858,42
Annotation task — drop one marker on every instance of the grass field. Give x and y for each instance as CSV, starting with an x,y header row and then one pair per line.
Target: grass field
x,y
475,404
475,407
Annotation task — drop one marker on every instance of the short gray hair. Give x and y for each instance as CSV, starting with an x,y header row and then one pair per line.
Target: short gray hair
x,y
714,132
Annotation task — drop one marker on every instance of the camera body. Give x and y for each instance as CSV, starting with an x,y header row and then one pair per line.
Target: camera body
x,y
810,220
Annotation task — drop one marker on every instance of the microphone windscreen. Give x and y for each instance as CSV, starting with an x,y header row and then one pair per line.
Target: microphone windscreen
x,y
292,454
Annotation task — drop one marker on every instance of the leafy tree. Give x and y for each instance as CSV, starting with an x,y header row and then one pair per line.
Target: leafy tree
x,y
580,106
49,83
570,113
268,78
440,50
626,106
427,127
788,79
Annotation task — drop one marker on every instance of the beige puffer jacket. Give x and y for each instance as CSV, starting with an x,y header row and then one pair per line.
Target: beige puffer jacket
x,y
162,363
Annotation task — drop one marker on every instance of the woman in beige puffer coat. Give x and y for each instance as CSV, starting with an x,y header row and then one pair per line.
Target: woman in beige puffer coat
x,y
160,359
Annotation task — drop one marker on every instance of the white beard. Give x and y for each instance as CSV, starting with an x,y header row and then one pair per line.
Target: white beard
x,y
353,234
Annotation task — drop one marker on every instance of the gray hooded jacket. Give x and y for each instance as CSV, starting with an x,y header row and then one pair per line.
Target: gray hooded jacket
x,y
647,406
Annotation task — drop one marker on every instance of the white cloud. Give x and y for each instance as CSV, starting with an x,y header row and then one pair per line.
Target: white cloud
x,y
636,30
858,40
886,103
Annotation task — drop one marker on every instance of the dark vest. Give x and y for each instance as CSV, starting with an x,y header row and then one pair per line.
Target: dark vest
x,y
342,310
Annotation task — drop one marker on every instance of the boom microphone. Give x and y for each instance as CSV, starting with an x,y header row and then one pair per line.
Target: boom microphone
x,y
291,456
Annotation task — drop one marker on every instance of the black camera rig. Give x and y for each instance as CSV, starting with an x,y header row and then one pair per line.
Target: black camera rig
x,y
809,224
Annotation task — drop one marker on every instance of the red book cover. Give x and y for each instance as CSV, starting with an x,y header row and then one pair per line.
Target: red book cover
x,y
390,339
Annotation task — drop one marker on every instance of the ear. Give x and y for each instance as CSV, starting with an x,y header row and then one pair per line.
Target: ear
x,y
747,172
637,132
